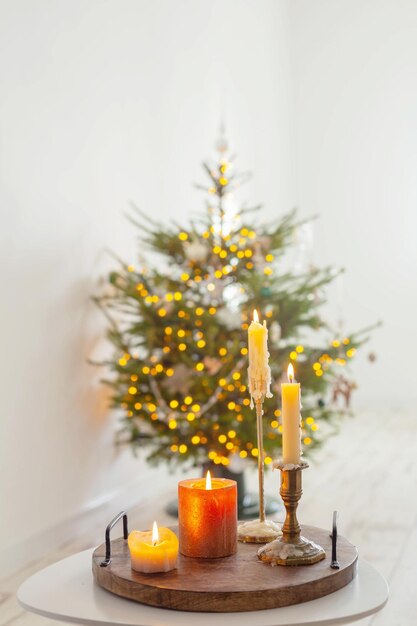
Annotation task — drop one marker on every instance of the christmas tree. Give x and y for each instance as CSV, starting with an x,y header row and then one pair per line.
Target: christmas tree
x,y
179,330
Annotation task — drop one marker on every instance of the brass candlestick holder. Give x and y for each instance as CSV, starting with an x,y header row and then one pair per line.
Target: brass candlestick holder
x,y
291,548
259,530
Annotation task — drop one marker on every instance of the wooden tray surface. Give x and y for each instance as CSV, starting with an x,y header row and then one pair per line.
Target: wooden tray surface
x,y
235,583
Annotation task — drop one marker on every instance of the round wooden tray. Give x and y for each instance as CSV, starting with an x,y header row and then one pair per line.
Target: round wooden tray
x,y
235,583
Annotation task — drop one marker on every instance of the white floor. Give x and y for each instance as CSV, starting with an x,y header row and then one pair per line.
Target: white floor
x,y
367,472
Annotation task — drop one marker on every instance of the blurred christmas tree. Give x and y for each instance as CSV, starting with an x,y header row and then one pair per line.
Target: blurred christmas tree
x,y
179,332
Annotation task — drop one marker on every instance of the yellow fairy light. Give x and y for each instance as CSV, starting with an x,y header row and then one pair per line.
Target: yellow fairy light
x,y
243,454
231,406
293,355
155,299
218,273
211,287
233,247
307,441
212,455
151,406
190,416
277,412
197,279
159,368
267,460
148,299
267,271
195,408
172,424
146,369
231,434
130,268
130,413
223,254
242,388
223,351
315,427
216,249
244,232
182,347
188,400
173,404
169,371
206,234
183,448
222,382
248,253
138,406
274,424
195,440
249,265
346,341
122,362
351,352
178,296
174,447
335,343
229,445
162,312
280,428
299,349
168,330
225,460
236,376
240,254
222,438
212,310
183,236
201,343
254,452
181,313
246,402
316,366
144,292
139,287
185,276
244,351
251,234
319,373
310,420
341,361
181,333
132,391
169,297
133,378
230,387
199,310
199,367
223,181
269,258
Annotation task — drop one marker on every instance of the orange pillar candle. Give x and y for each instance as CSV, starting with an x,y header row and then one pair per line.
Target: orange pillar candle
x,y
207,517
154,550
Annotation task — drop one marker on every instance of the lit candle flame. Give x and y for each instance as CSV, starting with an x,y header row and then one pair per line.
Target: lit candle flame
x,y
290,373
208,480
155,534
255,316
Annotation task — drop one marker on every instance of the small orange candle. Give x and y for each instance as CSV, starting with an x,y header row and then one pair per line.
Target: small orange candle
x,y
154,550
207,517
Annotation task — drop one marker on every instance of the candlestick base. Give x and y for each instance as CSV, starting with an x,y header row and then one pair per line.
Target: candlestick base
x,y
291,548
256,531
279,552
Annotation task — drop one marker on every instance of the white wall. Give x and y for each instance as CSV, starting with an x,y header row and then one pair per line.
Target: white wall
x,y
103,102
354,64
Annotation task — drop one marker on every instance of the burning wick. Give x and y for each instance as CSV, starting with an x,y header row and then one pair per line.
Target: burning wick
x,y
208,480
155,534
290,373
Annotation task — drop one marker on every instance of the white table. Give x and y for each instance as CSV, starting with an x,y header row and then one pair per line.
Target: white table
x,y
66,591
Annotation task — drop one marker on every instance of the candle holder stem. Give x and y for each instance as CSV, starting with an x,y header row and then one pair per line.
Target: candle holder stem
x,y
259,429
291,548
